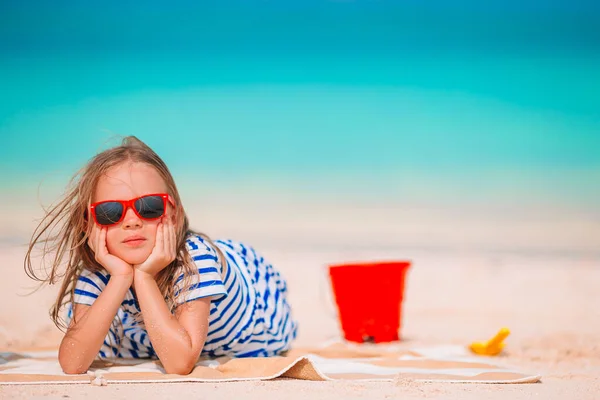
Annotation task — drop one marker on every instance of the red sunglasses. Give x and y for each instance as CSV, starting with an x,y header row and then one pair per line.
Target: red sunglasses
x,y
148,207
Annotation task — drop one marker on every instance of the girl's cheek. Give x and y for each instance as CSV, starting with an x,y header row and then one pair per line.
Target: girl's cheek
x,y
110,241
153,234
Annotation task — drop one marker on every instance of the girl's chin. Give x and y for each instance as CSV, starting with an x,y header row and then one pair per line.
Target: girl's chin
x,y
134,257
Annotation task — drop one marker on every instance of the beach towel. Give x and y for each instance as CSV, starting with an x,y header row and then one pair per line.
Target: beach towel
x,y
452,364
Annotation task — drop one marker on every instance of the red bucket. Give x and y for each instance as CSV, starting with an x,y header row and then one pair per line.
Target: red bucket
x,y
369,299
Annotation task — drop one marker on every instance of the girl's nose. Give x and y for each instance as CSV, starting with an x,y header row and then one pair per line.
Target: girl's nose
x,y
131,219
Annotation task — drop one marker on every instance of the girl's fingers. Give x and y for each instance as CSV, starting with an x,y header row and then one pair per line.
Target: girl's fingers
x,y
173,241
159,237
169,241
94,238
101,246
166,237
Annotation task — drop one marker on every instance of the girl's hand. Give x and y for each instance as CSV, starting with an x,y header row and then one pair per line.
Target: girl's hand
x,y
113,264
164,251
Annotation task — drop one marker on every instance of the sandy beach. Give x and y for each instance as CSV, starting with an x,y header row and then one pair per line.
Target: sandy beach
x,y
474,271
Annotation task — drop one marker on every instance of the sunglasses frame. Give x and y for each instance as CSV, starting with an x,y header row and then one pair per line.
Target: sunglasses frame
x,y
126,204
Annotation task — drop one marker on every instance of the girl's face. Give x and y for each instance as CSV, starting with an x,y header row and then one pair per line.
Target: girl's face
x,y
124,182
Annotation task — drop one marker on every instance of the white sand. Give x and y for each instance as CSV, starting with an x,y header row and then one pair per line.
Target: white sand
x,y
536,272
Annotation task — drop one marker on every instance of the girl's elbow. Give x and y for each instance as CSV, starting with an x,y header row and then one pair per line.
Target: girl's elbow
x,y
74,371
180,368
70,367
183,366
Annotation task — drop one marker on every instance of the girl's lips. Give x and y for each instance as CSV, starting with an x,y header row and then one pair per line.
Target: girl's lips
x,y
134,241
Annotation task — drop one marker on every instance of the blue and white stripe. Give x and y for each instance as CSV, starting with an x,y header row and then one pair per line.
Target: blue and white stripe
x,y
249,313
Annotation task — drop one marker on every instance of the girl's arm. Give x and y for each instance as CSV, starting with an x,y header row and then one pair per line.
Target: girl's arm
x,y
177,339
89,326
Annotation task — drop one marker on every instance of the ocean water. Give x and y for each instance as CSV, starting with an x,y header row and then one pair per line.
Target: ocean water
x,y
459,101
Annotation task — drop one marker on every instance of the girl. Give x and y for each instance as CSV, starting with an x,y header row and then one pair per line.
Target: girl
x,y
138,283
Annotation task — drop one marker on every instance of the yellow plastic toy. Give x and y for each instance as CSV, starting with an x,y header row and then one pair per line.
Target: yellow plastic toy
x,y
493,346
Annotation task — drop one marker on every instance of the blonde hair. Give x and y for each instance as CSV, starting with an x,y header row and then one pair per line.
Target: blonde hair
x,y
64,230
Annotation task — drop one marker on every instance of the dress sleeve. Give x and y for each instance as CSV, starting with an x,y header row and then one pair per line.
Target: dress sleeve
x,y
89,286
206,279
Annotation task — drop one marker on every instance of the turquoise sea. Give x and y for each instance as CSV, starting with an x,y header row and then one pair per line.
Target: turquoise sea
x,y
428,100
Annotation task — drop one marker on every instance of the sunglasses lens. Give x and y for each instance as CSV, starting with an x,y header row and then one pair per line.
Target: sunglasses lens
x,y
150,207
108,213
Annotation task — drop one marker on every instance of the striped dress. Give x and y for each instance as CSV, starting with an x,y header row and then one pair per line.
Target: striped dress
x,y
249,312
